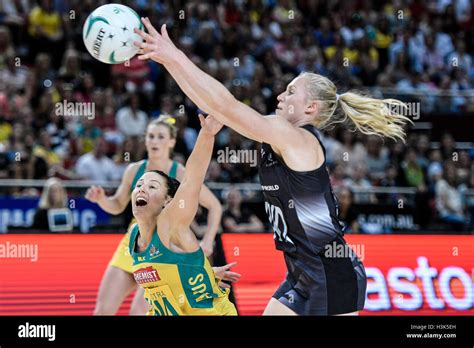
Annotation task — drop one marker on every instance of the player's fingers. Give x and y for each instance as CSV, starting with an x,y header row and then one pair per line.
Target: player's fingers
x,y
231,277
145,56
230,265
233,274
151,29
144,45
224,285
164,33
90,195
202,119
143,34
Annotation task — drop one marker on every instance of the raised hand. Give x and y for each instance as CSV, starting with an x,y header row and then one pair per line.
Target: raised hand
x,y
95,194
210,124
223,274
157,46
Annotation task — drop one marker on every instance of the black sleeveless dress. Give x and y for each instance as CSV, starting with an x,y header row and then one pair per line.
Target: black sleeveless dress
x,y
325,277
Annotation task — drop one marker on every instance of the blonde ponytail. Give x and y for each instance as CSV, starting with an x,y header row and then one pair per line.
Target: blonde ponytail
x,y
375,116
369,115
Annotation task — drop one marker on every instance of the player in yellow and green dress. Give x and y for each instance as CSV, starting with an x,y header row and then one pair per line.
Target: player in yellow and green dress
x,y
118,282
168,261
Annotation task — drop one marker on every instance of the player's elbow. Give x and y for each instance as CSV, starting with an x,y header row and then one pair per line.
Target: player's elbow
x,y
214,206
117,206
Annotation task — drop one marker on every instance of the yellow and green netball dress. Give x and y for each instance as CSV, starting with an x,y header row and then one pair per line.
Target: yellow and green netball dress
x,y
177,283
121,258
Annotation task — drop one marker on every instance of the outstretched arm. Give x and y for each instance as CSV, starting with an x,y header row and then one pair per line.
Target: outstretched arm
x,y
210,95
116,203
209,201
180,212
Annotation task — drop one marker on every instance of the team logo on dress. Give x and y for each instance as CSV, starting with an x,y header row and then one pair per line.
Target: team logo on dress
x,y
270,161
146,275
154,252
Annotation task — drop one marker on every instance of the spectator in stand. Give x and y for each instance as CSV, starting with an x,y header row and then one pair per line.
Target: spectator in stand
x,y
422,148
324,36
377,158
468,199
347,213
70,70
349,54
104,109
391,179
463,167
6,46
460,58
399,72
45,151
137,75
86,134
13,78
358,181
368,65
31,166
126,154
448,146
45,30
337,176
117,90
435,168
216,174
131,121
449,204
354,31
383,40
413,171
442,40
15,18
96,165
54,196
238,219
186,137
413,48
351,153
85,89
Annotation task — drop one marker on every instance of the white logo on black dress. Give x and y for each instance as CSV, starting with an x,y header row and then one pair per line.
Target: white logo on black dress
x,y
280,230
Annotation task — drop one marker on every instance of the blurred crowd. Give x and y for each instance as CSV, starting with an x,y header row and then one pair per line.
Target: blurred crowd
x,y
419,51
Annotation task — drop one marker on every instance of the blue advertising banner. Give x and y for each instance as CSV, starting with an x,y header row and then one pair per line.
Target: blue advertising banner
x,y
19,212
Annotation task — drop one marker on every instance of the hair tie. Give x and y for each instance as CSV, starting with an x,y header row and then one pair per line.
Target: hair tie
x,y
170,120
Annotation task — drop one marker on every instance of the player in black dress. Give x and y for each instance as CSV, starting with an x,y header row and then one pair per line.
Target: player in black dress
x,y
298,196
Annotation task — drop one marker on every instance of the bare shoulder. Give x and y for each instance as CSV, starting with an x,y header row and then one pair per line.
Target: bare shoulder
x,y
131,170
305,154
